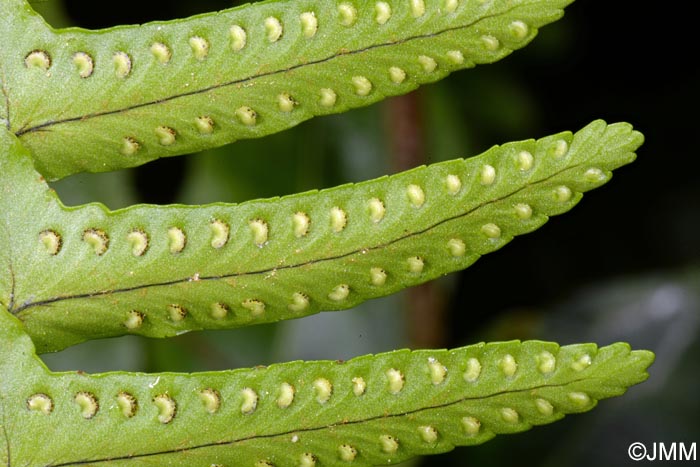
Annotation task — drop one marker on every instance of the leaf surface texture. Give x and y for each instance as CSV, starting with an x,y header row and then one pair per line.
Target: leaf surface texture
x,y
86,272
101,100
371,410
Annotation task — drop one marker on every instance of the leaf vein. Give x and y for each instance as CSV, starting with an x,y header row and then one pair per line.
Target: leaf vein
x,y
48,301
319,428
51,123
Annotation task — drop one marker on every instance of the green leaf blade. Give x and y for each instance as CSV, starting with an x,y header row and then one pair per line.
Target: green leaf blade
x,y
388,234
434,401
190,103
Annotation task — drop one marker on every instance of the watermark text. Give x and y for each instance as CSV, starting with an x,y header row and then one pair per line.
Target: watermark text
x,y
662,451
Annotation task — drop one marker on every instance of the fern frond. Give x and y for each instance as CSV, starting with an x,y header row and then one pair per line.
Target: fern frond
x,y
101,100
86,272
371,410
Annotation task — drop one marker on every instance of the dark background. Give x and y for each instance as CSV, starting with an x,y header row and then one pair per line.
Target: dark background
x,y
623,265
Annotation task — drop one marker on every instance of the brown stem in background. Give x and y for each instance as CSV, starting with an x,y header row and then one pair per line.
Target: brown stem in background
x,y
406,135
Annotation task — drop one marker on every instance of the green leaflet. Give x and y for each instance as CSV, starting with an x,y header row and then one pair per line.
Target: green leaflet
x,y
370,410
85,272
100,100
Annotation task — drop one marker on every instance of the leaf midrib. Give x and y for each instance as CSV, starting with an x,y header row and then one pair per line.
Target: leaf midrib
x,y
48,301
88,116
343,423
